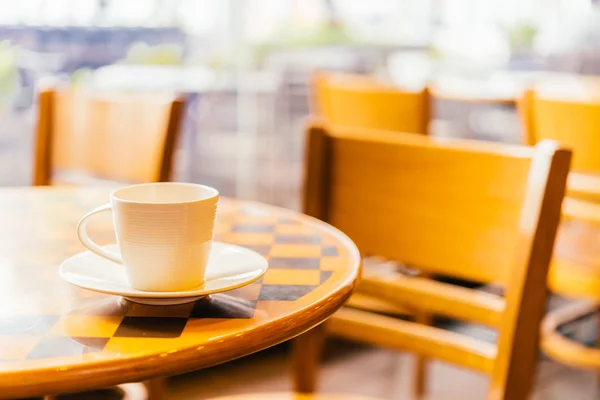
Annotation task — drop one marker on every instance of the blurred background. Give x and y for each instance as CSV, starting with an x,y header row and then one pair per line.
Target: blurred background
x,y
245,67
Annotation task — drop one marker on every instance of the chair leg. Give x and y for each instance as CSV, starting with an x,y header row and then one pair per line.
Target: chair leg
x,y
307,350
598,346
420,366
156,389
420,377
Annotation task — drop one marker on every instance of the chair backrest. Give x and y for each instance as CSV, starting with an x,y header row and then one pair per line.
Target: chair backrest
x,y
362,101
574,123
125,137
480,211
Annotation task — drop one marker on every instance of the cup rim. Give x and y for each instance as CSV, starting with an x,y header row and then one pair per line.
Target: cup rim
x,y
214,193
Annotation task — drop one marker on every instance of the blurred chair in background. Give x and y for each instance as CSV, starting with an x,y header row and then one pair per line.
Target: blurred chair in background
x,y
361,101
575,268
90,137
573,122
428,204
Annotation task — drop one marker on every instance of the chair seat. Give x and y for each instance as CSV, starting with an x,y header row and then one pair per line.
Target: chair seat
x,y
575,268
572,279
294,396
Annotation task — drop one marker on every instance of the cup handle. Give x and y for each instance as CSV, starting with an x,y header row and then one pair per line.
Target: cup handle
x,y
87,242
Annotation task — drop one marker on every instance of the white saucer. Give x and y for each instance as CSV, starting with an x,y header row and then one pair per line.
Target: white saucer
x,y
229,267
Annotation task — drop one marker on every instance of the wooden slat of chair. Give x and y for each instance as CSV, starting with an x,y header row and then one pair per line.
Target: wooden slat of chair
x,y
362,101
428,341
120,137
362,301
477,211
584,186
582,210
438,298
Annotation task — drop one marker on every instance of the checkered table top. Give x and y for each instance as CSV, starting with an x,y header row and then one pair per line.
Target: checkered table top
x,y
54,334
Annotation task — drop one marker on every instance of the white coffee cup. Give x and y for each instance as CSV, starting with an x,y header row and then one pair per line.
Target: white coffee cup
x,y
164,232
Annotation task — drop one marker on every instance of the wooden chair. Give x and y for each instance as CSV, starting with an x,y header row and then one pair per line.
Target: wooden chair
x,y
479,211
362,101
575,268
99,138
121,137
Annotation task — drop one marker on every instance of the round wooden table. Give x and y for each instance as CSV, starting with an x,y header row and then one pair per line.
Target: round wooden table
x,y
56,338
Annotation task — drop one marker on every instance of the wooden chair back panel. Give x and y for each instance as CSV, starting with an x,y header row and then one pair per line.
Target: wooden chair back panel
x,y
361,101
119,137
575,124
448,212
